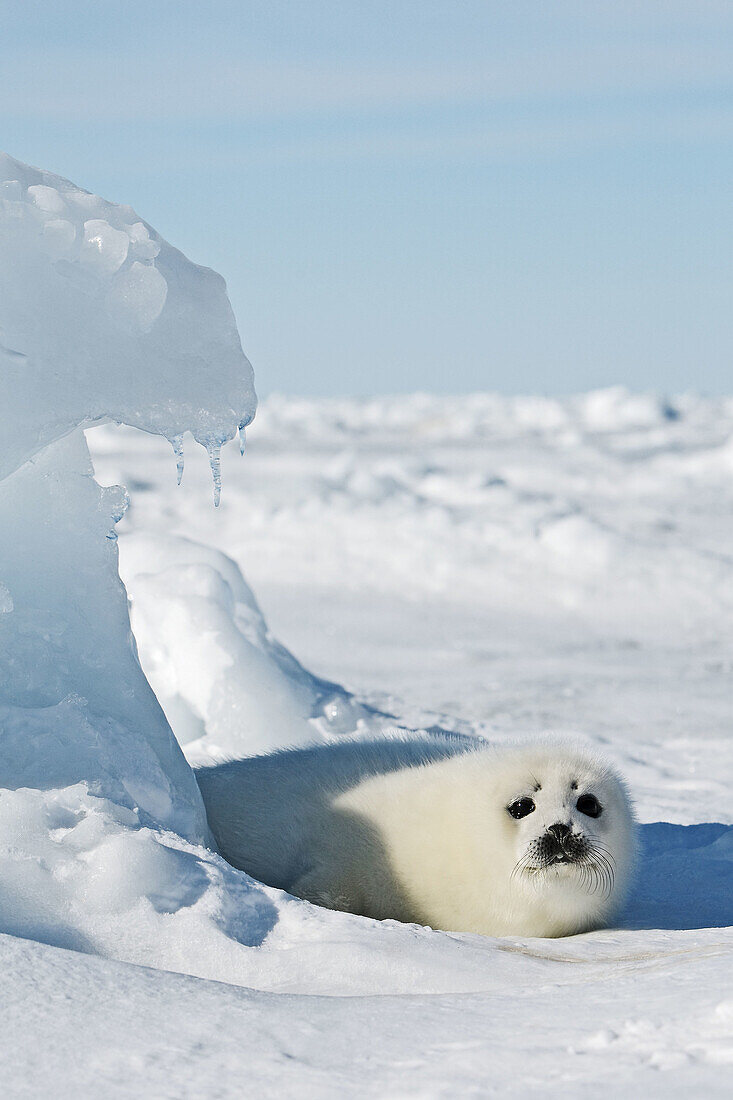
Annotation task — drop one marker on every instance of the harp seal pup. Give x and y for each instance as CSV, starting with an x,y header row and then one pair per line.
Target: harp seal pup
x,y
531,839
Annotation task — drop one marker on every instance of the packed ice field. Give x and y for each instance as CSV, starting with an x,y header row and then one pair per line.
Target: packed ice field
x,y
494,566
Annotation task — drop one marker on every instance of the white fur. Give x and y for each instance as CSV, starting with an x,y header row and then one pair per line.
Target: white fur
x,y
419,830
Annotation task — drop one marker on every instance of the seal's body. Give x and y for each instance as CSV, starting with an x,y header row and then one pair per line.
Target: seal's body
x,y
535,839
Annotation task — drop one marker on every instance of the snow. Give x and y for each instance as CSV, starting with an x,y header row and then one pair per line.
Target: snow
x,y
212,662
624,1023
495,567
484,565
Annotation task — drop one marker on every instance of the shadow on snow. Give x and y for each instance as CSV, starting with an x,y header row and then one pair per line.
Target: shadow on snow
x,y
684,879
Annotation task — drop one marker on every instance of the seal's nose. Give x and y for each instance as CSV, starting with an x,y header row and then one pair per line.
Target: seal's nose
x,y
560,832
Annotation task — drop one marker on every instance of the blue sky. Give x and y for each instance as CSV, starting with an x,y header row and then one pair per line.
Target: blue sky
x,y
447,196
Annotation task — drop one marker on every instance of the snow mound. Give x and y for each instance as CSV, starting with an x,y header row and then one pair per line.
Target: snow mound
x,y
227,687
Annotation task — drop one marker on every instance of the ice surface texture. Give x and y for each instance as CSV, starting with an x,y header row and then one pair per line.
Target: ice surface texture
x,y
99,319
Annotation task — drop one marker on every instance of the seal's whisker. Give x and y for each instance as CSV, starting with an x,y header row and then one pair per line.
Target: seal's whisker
x,y
598,847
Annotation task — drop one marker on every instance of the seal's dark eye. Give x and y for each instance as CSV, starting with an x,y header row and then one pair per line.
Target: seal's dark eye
x,y
521,807
589,805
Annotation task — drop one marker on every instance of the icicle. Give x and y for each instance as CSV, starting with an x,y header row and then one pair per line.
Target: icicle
x,y
241,439
176,442
213,448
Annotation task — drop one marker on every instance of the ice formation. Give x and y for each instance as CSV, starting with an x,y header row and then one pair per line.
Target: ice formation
x,y
100,319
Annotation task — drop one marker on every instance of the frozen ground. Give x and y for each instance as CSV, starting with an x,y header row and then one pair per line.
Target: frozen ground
x,y
491,566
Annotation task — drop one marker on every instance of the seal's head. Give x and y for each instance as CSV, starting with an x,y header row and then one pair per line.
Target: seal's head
x,y
570,827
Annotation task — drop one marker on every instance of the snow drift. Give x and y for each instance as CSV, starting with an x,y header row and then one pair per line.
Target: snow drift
x,y
228,688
